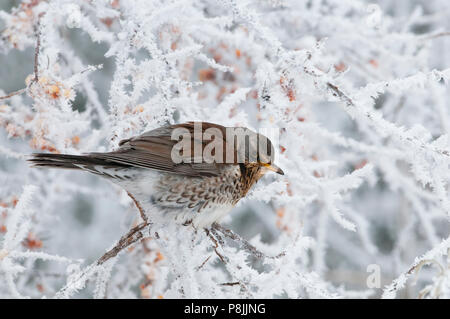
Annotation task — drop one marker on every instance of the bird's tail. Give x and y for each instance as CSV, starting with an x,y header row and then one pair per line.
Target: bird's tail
x,y
69,161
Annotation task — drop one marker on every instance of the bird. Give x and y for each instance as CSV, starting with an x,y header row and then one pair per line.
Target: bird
x,y
198,190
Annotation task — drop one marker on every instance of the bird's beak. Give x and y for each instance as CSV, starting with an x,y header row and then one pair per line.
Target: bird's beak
x,y
273,168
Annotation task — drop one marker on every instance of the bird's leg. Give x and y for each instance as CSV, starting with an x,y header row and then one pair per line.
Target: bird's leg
x,y
139,207
134,235
245,244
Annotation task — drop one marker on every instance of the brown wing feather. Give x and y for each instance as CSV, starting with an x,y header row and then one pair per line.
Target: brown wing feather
x,y
153,149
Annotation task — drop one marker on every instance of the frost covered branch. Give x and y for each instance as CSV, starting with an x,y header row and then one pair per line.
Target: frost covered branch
x,y
134,235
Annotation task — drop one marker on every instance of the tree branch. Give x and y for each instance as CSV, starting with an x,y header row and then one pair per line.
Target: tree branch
x,y
18,92
134,235
36,62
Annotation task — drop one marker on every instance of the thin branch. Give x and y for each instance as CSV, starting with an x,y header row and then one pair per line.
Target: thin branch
x,y
337,92
18,92
134,235
230,283
434,35
36,62
37,49
218,240
216,245
203,263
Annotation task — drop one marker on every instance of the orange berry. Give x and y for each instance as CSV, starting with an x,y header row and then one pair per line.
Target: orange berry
x,y
75,140
54,91
340,67
206,75
14,201
281,211
138,109
374,63
159,256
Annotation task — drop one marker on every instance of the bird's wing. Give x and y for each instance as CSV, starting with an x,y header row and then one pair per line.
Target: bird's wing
x,y
153,150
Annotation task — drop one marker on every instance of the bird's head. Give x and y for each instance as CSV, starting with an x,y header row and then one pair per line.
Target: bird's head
x,y
266,158
259,154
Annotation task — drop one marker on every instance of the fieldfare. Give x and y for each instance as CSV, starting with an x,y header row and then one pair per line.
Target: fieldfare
x,y
194,172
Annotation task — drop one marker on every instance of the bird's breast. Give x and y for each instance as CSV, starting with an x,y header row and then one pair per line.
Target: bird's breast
x,y
199,193
197,200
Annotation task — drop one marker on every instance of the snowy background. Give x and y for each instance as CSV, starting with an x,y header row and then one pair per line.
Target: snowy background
x,y
357,89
